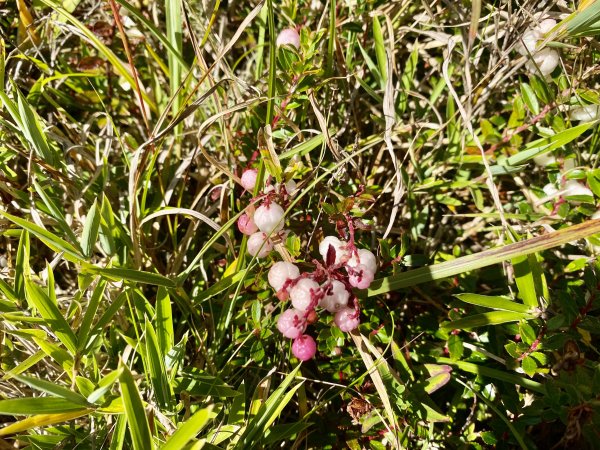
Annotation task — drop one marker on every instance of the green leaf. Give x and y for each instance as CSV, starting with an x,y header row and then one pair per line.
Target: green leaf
x,y
42,420
90,230
37,405
489,318
22,264
108,227
53,389
548,144
530,98
483,259
134,410
189,429
164,322
455,347
39,300
268,411
494,302
380,50
55,212
54,242
32,129
576,265
524,277
437,382
495,374
529,366
593,179
138,276
195,382
90,313
155,364
105,385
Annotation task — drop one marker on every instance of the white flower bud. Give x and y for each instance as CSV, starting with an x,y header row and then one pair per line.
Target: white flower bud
x,y
528,42
341,254
366,258
337,299
302,293
545,61
258,245
289,36
347,319
249,179
291,323
588,113
269,218
280,272
574,188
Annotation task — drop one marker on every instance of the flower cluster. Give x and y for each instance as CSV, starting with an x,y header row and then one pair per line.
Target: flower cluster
x,y
264,224
327,288
544,60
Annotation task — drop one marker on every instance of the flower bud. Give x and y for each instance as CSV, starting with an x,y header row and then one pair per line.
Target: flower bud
x,y
280,272
366,258
246,224
587,113
347,319
337,297
304,347
303,293
289,36
360,276
545,61
269,218
341,254
291,323
258,245
249,179
574,188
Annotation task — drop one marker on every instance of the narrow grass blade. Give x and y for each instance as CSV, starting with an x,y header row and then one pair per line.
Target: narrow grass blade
x,y
39,300
52,241
256,427
53,389
104,385
23,366
42,420
90,230
37,405
484,259
494,374
494,302
189,429
32,130
55,211
549,144
380,50
89,36
164,322
155,363
138,276
488,318
134,410
22,264
90,313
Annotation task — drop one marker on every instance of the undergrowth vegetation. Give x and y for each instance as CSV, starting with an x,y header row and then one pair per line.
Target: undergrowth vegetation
x,y
408,191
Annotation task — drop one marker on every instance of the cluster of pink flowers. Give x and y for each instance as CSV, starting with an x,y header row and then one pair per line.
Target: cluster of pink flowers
x,y
264,225
329,287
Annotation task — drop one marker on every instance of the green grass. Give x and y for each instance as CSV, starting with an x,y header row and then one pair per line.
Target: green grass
x,y
131,315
